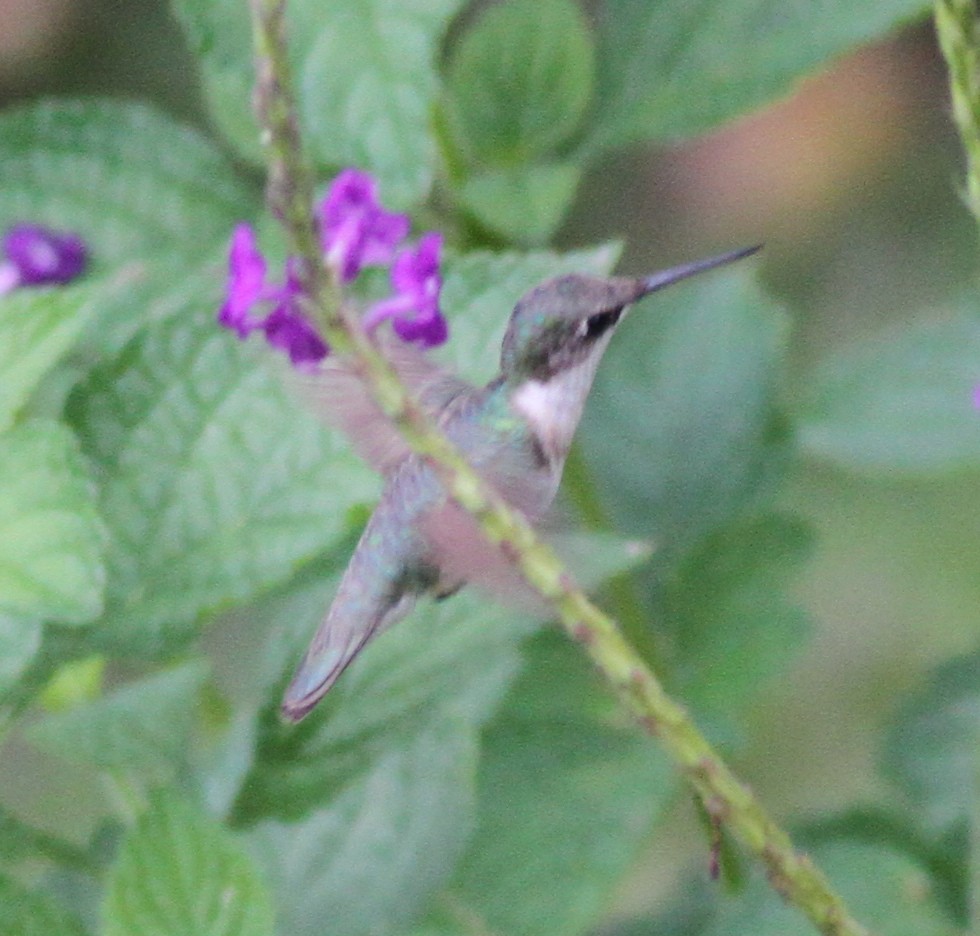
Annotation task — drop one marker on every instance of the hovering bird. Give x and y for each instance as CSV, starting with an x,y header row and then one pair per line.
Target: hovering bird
x,y
515,431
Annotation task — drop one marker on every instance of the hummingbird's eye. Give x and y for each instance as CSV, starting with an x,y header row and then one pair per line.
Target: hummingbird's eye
x,y
595,325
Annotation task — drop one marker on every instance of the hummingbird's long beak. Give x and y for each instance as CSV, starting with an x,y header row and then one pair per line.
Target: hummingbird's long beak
x,y
678,273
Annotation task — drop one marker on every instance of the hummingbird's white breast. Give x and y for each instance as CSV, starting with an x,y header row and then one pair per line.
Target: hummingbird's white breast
x,y
554,407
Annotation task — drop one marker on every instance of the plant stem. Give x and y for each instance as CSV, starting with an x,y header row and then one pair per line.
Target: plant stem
x,y
958,31
724,796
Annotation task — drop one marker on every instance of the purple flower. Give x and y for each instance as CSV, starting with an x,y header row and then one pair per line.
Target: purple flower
x,y
355,230
289,330
247,287
38,256
414,308
249,295
976,396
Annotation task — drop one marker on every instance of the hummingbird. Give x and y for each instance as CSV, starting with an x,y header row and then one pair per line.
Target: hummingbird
x,y
515,431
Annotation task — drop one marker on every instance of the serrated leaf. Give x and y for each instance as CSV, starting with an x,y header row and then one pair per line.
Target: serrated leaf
x,y
884,889
51,537
37,327
368,859
20,640
33,913
525,204
931,747
365,79
902,403
732,624
215,483
521,80
148,196
682,428
566,798
178,872
672,69
481,290
142,727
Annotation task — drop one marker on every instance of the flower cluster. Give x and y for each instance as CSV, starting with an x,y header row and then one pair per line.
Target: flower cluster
x,y
355,232
38,256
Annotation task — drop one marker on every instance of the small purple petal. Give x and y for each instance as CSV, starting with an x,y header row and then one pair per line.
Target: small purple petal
x,y
355,230
414,308
291,332
429,332
9,278
42,256
246,283
976,396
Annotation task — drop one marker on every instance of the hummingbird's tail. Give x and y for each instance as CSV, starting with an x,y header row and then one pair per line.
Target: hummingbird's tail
x,y
338,640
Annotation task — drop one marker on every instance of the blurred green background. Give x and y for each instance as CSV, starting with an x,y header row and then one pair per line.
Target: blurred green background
x,y
852,184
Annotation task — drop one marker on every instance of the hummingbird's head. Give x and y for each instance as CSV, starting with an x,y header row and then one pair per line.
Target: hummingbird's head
x,y
567,321
559,324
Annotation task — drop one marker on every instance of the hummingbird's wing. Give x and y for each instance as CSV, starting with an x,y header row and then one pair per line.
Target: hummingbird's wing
x,y
339,396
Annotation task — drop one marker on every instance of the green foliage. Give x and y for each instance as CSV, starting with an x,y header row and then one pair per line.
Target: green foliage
x,y
179,872
520,80
525,204
173,521
366,75
24,913
142,727
731,623
151,197
214,483
387,839
889,890
901,403
568,792
932,748
50,535
672,69
20,639
36,330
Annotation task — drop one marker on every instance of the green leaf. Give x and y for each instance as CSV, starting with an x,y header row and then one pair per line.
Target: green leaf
x,y
731,622
215,483
33,913
220,35
902,403
932,747
569,791
20,640
368,859
672,68
144,726
682,429
521,80
51,538
886,890
368,86
150,197
524,204
178,873
365,79
37,327
481,290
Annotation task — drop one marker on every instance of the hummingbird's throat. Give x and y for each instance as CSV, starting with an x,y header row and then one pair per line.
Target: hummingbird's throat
x,y
552,408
